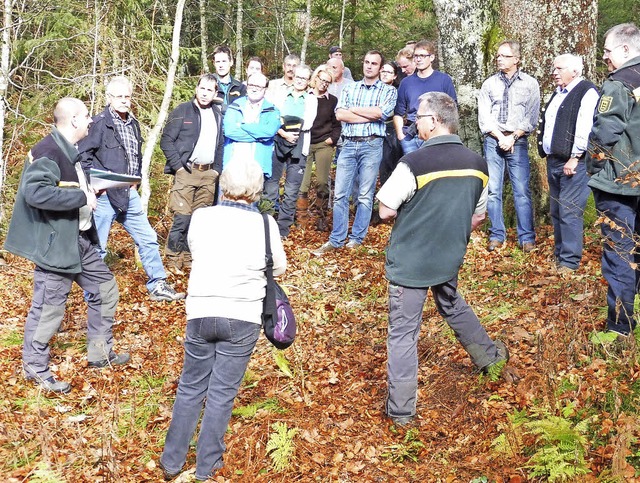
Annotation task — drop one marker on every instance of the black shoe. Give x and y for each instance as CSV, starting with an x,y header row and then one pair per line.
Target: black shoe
x,y
168,476
114,360
503,356
52,385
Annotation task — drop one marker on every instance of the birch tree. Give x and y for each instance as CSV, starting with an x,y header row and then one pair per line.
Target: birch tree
x,y
204,39
4,83
307,30
239,53
164,107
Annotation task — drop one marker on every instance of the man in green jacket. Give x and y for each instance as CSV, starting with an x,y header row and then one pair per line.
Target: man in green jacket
x,y
52,225
614,165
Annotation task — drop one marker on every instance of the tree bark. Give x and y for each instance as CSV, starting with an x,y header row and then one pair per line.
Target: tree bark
x,y
470,31
307,31
164,107
4,83
239,53
204,39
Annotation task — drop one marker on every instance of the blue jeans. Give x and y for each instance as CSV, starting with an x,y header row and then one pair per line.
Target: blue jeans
x,y
567,200
136,223
359,160
517,164
216,353
619,253
405,318
293,181
410,145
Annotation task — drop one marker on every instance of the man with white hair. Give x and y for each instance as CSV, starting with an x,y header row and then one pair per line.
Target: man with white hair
x,y
563,134
52,225
612,162
298,109
114,144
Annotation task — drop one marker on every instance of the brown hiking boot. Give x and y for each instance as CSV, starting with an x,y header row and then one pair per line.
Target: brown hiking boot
x,y
302,210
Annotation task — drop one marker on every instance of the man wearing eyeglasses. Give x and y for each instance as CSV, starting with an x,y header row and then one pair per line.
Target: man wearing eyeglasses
x,y
114,144
250,125
613,161
438,196
563,133
508,106
298,109
192,142
424,79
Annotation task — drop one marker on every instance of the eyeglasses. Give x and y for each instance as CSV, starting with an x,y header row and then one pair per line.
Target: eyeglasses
x,y
421,56
420,116
324,81
388,72
608,51
299,77
255,87
505,56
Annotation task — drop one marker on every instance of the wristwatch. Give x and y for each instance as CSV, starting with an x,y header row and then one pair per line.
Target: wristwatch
x,y
515,136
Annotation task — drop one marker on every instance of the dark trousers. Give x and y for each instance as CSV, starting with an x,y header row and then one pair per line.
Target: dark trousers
x,y
619,256
567,200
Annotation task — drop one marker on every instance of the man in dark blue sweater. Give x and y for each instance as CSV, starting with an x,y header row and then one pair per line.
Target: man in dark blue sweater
x,y
424,79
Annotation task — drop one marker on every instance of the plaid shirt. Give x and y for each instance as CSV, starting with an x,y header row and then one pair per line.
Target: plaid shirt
x,y
523,104
129,137
359,94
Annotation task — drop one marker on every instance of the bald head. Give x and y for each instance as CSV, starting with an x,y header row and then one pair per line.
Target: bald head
x,y
71,118
337,68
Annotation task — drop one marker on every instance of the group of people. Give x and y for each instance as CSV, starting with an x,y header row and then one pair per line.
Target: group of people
x,y
247,135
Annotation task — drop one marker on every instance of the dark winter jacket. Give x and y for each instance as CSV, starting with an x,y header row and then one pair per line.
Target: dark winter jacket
x,y
181,134
44,226
236,90
103,149
614,145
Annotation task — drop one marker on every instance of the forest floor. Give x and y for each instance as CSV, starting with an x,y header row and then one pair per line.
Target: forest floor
x,y
567,401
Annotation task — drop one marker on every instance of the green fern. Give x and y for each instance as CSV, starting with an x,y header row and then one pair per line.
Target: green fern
x,y
249,411
409,449
283,363
561,451
44,474
281,446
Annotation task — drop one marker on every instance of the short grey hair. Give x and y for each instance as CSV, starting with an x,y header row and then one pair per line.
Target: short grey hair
x,y
242,179
573,62
444,108
626,33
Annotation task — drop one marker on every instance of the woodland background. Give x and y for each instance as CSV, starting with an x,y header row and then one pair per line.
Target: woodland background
x,y
567,405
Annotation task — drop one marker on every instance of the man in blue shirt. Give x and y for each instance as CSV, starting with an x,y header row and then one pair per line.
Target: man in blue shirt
x,y
363,108
424,79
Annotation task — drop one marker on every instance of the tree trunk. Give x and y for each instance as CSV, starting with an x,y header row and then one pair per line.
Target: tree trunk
x,y
341,32
239,53
470,31
307,31
203,36
4,83
164,107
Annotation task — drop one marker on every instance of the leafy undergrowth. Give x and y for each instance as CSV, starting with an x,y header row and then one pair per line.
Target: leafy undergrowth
x,y
328,390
